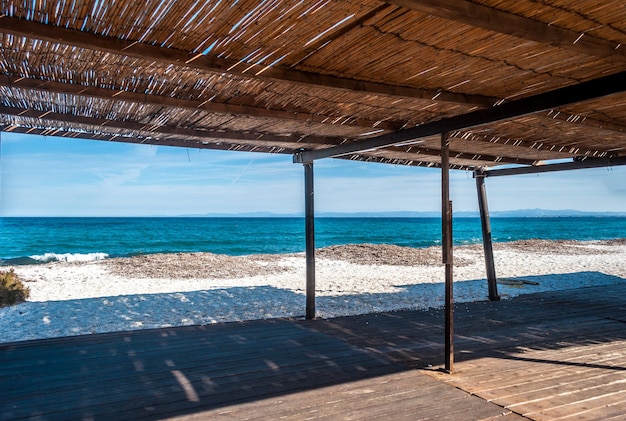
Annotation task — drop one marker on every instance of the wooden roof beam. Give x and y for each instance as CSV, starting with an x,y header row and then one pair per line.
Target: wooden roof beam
x,y
297,58
224,108
593,89
228,137
199,144
255,112
168,141
567,151
566,117
562,166
400,161
135,126
190,104
95,42
495,20
455,154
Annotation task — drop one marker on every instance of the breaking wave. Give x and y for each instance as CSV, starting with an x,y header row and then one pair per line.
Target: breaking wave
x,y
69,257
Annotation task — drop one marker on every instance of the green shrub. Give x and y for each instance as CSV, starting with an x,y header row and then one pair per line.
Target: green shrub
x,y
12,290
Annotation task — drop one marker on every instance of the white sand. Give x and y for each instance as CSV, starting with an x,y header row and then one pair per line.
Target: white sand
x,y
173,290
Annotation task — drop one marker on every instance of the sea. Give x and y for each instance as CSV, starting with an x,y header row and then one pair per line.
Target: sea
x,y
40,240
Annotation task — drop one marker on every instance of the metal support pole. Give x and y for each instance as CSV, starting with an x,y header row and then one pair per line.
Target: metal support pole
x,y
487,242
1,178
446,218
310,240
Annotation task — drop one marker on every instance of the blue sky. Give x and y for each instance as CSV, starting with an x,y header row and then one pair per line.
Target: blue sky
x,y
48,176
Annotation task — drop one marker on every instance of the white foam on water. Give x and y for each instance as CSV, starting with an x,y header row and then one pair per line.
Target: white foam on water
x,y
69,257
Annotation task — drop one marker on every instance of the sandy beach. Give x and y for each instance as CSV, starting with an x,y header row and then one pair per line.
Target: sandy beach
x,y
201,288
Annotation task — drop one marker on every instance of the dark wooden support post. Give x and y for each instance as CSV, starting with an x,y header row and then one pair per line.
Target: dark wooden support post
x,y
485,223
446,218
310,240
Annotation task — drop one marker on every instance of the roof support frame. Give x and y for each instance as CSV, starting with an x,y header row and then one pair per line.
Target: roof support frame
x,y
255,112
191,104
198,143
460,155
584,91
447,252
168,141
485,224
136,126
566,151
563,166
309,206
297,141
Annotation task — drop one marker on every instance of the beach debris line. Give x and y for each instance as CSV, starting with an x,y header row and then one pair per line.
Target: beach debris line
x,y
194,266
561,247
220,266
386,254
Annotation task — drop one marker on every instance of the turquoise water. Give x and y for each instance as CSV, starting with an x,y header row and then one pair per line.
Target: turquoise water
x,y
35,240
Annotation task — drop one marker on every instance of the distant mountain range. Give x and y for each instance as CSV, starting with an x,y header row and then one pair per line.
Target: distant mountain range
x,y
521,213
541,213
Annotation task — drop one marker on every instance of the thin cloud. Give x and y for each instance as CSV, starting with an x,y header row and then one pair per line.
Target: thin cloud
x,y
84,178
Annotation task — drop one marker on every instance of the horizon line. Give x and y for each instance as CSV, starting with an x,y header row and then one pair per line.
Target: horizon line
x,y
363,214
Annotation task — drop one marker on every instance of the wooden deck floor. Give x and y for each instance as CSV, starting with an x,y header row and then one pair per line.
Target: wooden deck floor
x,y
548,356
542,356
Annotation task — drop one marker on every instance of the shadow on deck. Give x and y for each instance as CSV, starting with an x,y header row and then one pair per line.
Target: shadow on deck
x,y
359,367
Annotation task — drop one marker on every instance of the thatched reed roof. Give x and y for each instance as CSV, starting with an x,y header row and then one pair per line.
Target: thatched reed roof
x,y
282,76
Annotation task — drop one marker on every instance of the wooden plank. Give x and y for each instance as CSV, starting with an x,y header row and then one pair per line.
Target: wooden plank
x,y
192,350
570,376
427,406
400,396
92,374
515,375
567,355
507,23
546,404
21,355
364,398
129,399
332,396
602,408
558,385
175,404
